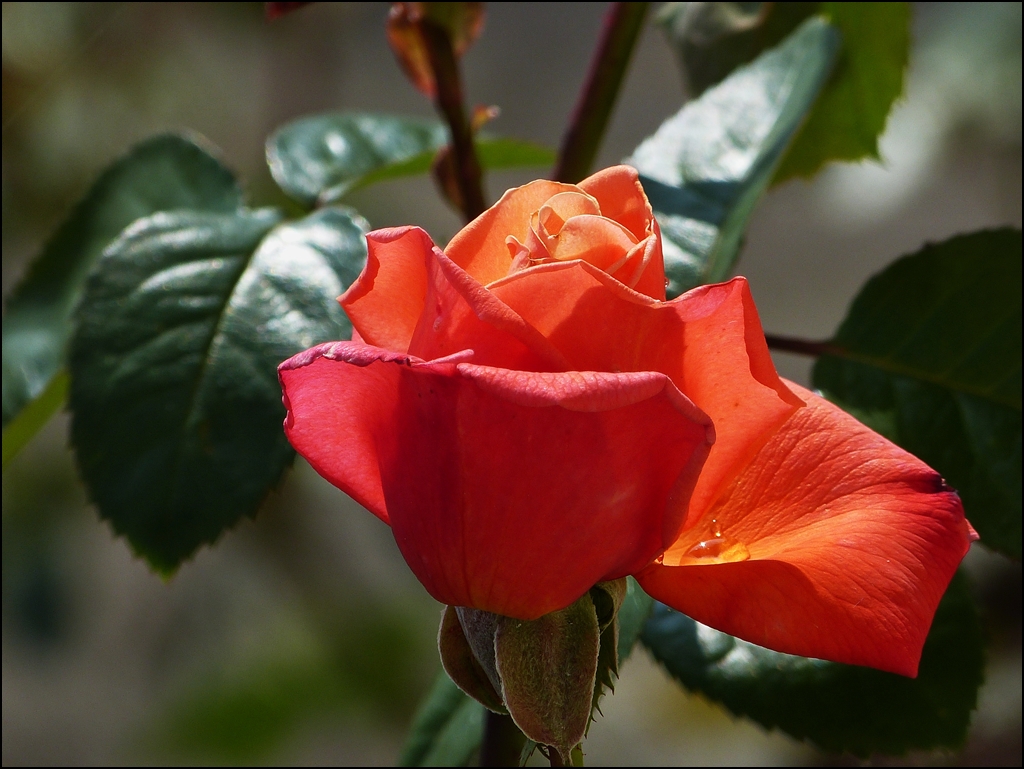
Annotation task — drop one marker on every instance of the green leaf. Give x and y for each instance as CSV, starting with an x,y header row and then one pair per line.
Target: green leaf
x,y
633,613
176,405
712,39
836,707
851,112
163,173
446,730
930,355
706,167
325,157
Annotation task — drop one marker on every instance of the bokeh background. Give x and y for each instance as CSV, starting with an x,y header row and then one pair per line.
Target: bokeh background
x,y
302,637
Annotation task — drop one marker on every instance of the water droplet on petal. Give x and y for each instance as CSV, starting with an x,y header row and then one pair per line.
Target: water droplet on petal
x,y
715,550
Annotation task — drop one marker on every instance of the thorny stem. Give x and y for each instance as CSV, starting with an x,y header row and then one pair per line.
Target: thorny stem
x,y
622,25
450,103
801,346
502,743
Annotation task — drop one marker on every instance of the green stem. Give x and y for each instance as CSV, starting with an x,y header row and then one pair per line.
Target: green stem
x,y
801,346
503,742
449,102
622,26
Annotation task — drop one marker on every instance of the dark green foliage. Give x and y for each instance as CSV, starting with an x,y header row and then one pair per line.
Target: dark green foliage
x,y
930,355
327,155
177,407
713,39
161,174
707,166
324,157
842,708
447,728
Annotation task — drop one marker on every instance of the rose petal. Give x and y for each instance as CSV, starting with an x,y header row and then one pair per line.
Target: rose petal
x,y
594,239
642,269
459,313
511,492
851,541
621,197
479,248
558,209
387,299
708,341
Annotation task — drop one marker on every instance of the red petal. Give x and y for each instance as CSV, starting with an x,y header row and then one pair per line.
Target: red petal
x,y
386,301
512,492
708,341
479,248
851,541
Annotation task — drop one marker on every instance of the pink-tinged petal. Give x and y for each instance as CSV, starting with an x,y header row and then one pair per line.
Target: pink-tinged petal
x,y
461,314
508,491
622,198
708,341
386,301
832,543
479,248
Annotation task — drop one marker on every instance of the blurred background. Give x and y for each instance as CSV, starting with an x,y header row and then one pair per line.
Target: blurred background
x,y
302,637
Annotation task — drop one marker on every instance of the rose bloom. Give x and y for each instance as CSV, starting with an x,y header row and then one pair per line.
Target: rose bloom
x,y
531,417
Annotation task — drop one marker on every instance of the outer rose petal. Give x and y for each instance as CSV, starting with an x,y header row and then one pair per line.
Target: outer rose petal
x,y
708,341
852,542
386,301
508,491
479,248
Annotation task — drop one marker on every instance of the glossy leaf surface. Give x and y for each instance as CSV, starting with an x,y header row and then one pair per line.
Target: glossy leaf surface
x,y
324,157
712,39
930,355
177,407
841,708
164,173
706,167
854,105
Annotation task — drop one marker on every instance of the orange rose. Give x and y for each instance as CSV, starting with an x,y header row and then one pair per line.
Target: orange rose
x,y
531,417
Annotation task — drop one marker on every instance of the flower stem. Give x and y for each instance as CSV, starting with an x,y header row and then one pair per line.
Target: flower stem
x,y
502,743
449,102
622,26
801,346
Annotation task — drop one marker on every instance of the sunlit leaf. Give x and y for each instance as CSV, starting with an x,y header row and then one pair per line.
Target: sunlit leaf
x,y
713,39
706,167
851,112
324,157
930,355
842,708
164,173
176,405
